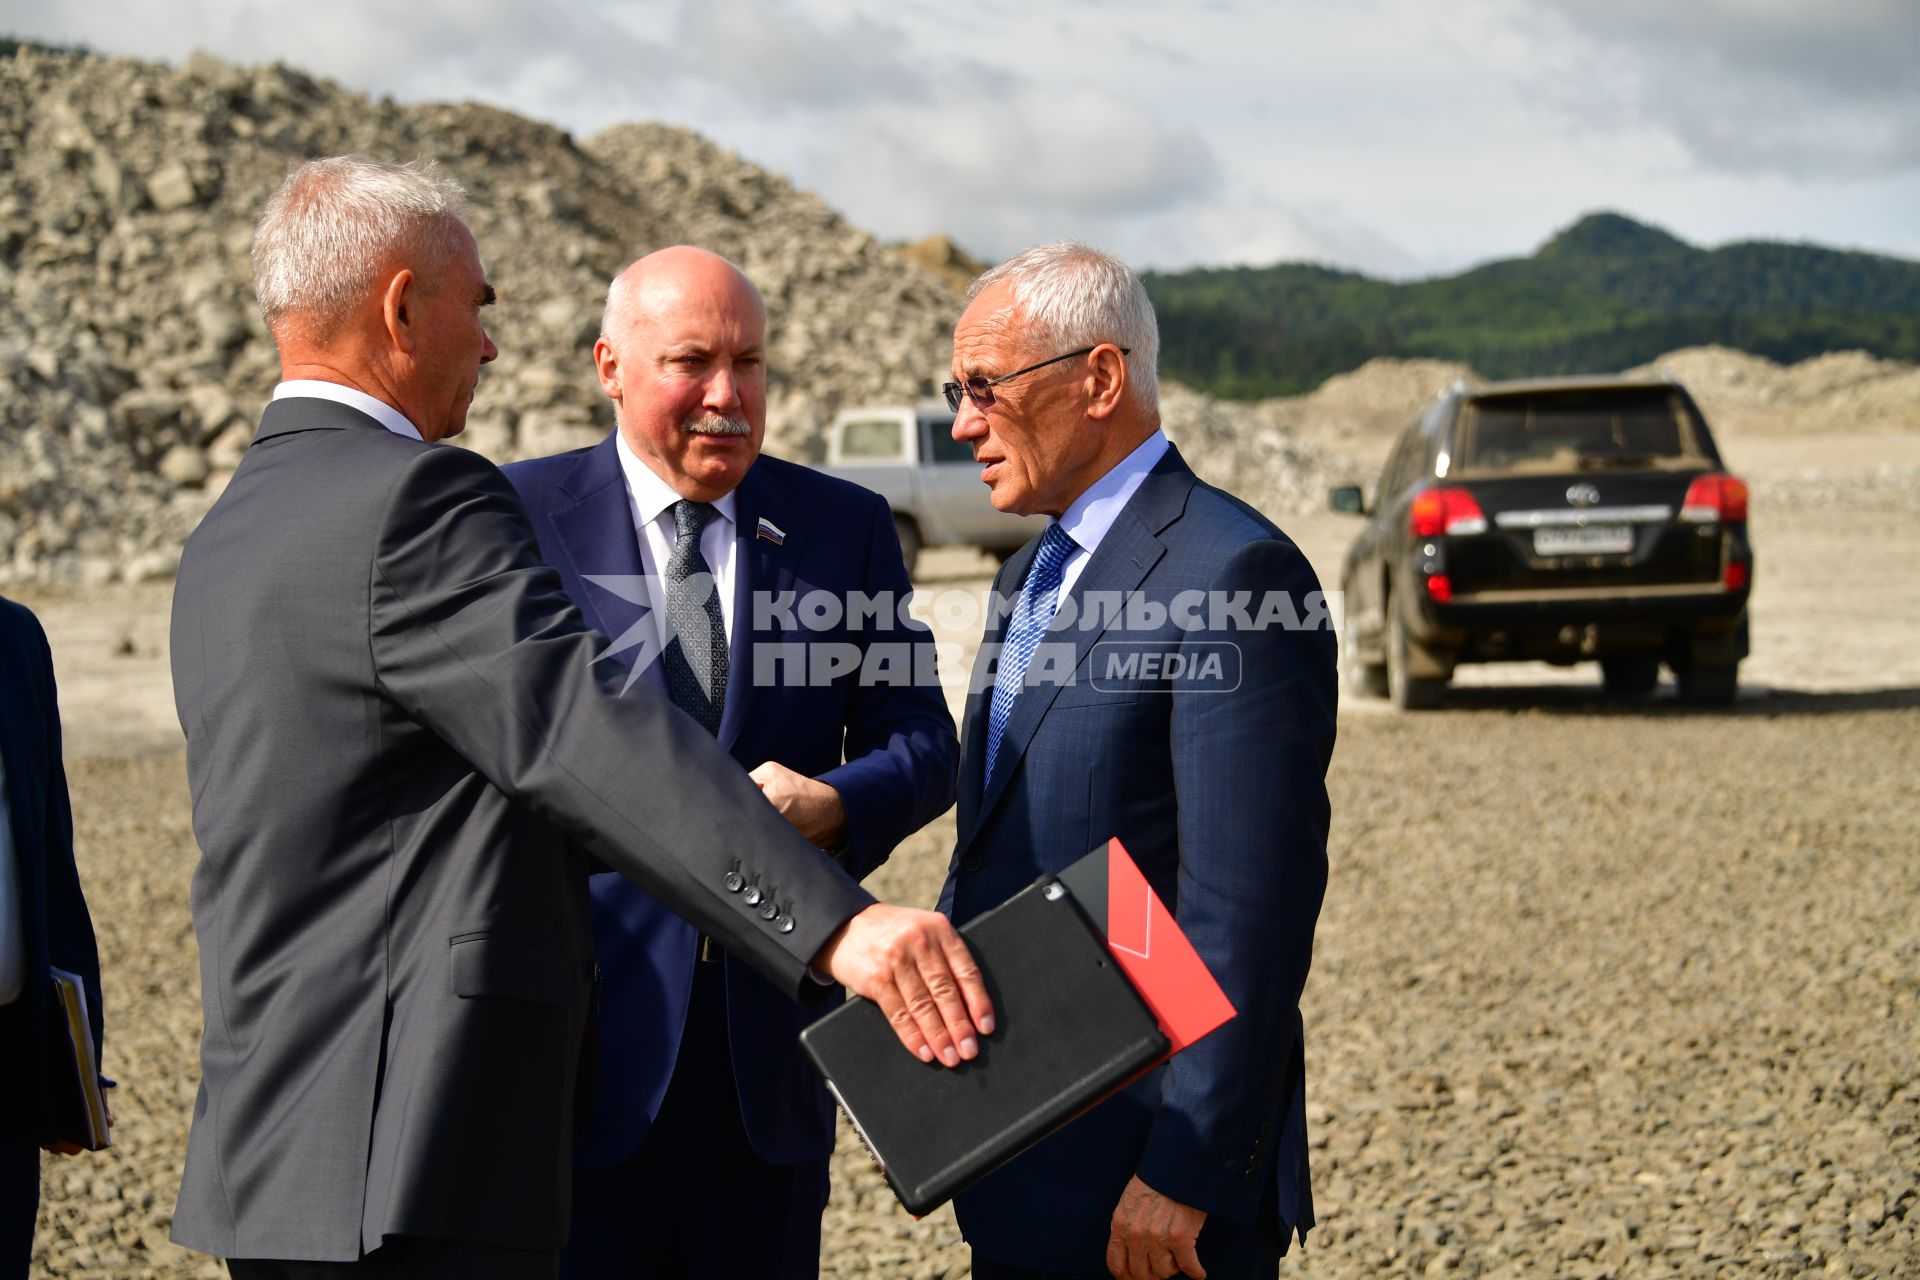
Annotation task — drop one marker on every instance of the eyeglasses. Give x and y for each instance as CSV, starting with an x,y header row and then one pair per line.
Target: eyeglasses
x,y
980,389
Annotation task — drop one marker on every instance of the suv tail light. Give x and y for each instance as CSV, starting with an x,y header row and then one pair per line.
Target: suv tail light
x,y
1443,510
1715,498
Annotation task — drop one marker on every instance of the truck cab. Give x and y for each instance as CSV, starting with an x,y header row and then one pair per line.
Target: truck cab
x,y
907,454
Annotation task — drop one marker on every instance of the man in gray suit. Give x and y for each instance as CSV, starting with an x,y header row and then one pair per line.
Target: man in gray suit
x,y
395,721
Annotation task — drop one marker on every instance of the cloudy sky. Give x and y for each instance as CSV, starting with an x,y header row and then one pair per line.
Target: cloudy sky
x,y
1399,137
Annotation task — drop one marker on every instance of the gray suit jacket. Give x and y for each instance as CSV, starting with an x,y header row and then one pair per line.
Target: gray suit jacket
x,y
395,721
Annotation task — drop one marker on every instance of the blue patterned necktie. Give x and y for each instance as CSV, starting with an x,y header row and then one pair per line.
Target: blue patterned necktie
x,y
696,652
1032,615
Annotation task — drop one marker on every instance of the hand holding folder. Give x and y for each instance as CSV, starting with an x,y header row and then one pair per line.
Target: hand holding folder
x,y
1092,983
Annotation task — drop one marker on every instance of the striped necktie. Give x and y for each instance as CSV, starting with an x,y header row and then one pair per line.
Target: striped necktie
x,y
696,653
1032,615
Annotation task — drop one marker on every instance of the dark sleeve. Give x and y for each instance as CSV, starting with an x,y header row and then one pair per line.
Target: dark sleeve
x,y
1249,771
70,940
901,749
477,640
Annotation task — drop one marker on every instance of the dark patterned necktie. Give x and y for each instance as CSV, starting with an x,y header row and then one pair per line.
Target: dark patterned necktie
x,y
696,651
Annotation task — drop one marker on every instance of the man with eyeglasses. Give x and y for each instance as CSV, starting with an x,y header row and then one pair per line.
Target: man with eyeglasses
x,y
1208,763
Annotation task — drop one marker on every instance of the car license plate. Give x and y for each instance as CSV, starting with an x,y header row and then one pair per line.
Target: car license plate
x,y
1591,540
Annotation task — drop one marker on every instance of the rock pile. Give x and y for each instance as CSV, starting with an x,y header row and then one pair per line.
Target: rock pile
x,y
1842,390
940,255
1388,385
1235,446
136,363
1356,416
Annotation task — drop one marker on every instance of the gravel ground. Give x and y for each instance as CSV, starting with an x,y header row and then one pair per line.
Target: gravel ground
x,y
1598,992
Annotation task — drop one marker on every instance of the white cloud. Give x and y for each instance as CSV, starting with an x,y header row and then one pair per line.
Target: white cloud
x,y
1396,136
992,173
1817,91
779,57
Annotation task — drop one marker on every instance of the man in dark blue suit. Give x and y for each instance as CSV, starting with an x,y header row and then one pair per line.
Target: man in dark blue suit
x,y
43,921
1165,674
707,1153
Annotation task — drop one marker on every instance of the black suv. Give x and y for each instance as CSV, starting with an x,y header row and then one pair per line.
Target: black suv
x,y
1562,519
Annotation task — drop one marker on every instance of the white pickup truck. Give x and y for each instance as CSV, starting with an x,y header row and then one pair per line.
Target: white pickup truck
x,y
908,456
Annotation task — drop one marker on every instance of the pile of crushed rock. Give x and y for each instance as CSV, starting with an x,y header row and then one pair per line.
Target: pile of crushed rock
x,y
1842,390
136,363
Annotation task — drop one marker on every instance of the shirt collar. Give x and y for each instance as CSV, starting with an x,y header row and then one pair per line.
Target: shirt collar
x,y
1094,511
354,398
652,495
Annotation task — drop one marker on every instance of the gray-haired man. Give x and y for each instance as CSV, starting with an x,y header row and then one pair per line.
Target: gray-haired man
x,y
394,723
1215,782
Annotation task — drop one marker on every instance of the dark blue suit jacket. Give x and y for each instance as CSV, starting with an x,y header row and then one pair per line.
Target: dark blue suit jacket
x,y
888,748
58,930
1219,793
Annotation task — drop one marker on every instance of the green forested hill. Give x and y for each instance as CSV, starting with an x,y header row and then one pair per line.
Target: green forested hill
x,y
1606,293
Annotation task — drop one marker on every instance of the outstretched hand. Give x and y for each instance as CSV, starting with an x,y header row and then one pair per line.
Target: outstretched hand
x,y
812,806
914,965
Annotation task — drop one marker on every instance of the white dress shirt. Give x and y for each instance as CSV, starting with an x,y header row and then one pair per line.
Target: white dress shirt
x,y
1094,511
354,398
13,943
650,502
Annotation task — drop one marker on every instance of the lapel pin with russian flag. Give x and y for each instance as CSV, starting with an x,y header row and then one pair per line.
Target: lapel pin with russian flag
x,y
770,531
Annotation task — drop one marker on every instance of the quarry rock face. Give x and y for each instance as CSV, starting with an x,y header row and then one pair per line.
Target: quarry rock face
x,y
136,362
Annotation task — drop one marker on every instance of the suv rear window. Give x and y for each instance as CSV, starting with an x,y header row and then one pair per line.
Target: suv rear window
x,y
1563,431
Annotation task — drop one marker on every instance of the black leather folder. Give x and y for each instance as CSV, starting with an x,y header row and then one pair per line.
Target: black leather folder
x,y
1068,1030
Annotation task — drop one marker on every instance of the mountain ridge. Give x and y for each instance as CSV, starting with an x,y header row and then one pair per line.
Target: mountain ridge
x,y
1605,292
137,363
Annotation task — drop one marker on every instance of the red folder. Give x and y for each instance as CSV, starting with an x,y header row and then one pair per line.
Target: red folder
x,y
1149,946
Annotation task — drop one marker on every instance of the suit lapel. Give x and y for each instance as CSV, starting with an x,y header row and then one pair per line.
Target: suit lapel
x,y
973,716
1126,555
594,533
759,566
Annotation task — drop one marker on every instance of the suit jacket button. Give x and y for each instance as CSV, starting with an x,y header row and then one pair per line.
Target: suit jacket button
x,y
767,910
735,882
970,863
784,924
1253,1175
753,895
1266,1130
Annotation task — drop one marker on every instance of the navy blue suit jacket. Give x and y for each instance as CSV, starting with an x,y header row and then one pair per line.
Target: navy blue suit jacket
x,y
57,928
888,748
1219,793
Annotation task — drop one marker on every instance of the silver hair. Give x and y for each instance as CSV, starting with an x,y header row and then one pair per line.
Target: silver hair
x,y
334,223
1073,295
